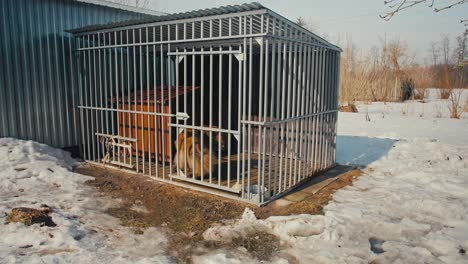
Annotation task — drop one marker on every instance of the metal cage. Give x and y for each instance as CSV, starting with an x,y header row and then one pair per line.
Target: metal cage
x,y
237,101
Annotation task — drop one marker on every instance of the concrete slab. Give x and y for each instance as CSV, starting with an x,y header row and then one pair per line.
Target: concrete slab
x,y
317,183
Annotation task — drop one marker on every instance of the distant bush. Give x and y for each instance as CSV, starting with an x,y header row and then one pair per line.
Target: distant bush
x,y
445,93
407,89
419,93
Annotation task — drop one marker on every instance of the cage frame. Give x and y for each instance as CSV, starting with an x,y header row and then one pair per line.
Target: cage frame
x,y
294,64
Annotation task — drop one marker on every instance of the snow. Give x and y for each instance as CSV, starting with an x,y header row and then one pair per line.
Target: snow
x,y
410,206
32,174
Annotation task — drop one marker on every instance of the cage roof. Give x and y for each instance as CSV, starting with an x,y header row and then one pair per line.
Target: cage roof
x,y
200,13
172,17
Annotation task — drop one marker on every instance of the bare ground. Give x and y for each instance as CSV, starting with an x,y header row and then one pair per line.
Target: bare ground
x,y
186,214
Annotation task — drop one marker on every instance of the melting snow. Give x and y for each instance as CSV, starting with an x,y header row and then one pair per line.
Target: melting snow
x,y
410,206
32,174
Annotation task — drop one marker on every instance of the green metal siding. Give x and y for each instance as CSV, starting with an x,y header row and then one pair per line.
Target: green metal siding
x,y
38,87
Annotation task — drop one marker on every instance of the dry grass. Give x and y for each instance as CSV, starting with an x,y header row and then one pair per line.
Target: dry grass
x,y
30,216
350,107
455,104
444,93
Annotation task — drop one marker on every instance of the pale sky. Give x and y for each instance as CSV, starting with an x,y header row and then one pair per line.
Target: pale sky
x,y
358,19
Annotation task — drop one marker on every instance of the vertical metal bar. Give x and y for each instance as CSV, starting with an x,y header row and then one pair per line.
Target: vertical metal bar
x,y
155,106
193,104
295,90
148,103
102,98
211,106
116,83
272,106
261,162
287,182
229,135
141,106
309,103
283,114
121,103
330,107
239,111
202,105
80,94
277,110
299,112
249,133
135,100
185,106
90,104
220,94
266,89
162,102
106,113
315,109
129,96
100,95
111,89
170,96
177,105
337,94
323,122
96,121
244,117
320,109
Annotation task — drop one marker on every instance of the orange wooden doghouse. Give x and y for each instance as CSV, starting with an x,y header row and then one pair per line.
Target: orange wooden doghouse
x,y
152,132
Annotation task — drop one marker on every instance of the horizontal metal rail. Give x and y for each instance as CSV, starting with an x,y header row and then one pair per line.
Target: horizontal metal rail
x,y
269,123
220,187
173,41
206,52
212,129
125,111
299,41
116,137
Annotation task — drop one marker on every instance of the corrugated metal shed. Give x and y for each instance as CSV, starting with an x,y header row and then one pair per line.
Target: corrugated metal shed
x,y
37,87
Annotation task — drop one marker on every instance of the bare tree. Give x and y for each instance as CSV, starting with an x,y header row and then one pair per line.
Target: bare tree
x,y
399,5
301,21
445,48
135,3
435,53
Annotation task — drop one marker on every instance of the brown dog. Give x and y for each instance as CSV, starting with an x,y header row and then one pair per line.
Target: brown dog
x,y
191,142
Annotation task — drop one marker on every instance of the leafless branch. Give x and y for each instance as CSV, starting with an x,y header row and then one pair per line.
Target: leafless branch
x,y
399,5
450,6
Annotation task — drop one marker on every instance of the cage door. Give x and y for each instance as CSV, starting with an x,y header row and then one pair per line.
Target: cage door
x,y
206,123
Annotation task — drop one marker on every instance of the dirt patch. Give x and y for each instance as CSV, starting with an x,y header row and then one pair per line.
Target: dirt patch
x,y
30,216
169,206
261,245
187,214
